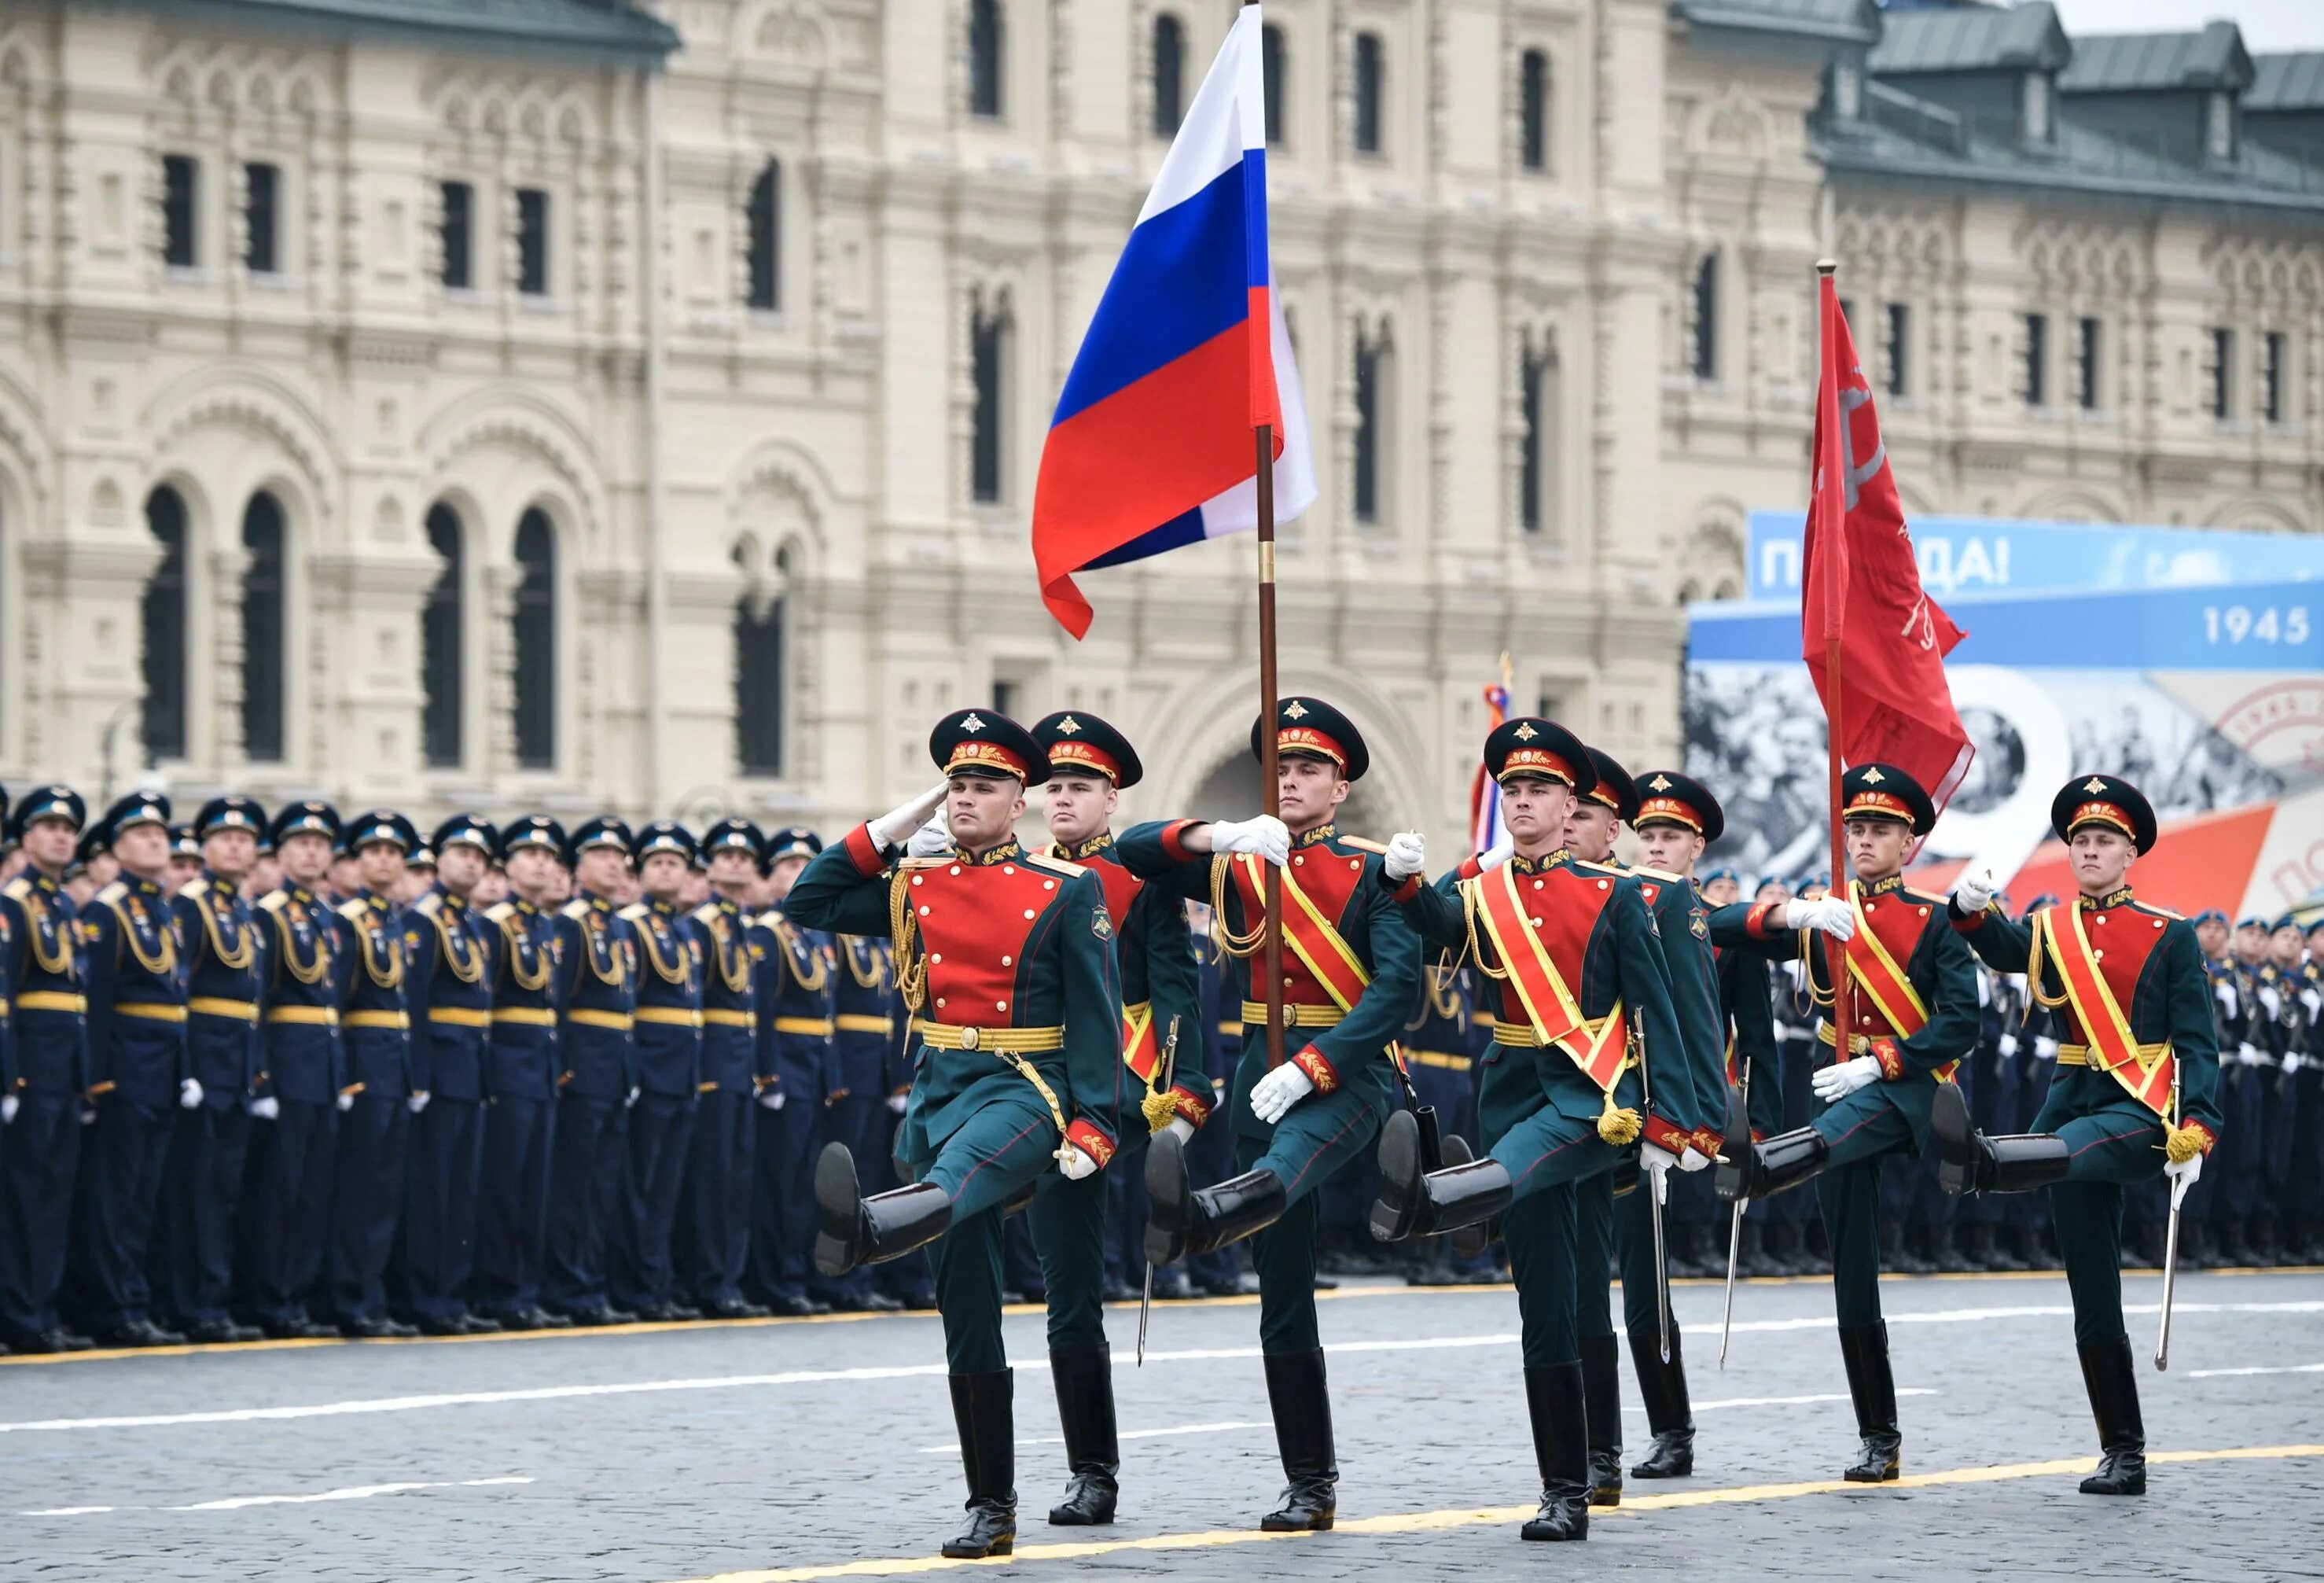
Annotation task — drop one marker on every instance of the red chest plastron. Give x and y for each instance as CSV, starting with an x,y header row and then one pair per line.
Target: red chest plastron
x,y
973,923
2122,939
1562,906
1899,918
1328,879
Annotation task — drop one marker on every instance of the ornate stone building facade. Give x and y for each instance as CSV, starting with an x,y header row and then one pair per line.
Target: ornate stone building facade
x,y
510,404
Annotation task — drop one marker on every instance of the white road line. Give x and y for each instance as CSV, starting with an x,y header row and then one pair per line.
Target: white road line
x,y
68,1511
1127,1434
2222,1374
379,1405
360,1492
1785,1401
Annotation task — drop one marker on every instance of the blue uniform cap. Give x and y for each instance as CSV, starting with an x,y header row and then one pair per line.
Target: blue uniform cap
x,y
381,824
48,802
304,818
138,808
604,830
668,836
183,842
534,829
230,813
734,835
797,841
2210,915
465,830
2251,921
1717,874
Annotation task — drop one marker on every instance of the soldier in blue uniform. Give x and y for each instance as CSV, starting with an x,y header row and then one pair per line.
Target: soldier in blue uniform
x,y
794,972
185,859
521,1071
863,1036
46,1050
1007,960
667,1052
1091,764
1352,970
1912,1016
449,994
140,1078
1210,1153
368,1164
192,1266
713,1226
867,992
1437,1046
2136,1097
285,1223
597,955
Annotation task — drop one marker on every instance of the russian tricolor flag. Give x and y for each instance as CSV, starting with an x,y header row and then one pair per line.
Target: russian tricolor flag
x,y
1151,447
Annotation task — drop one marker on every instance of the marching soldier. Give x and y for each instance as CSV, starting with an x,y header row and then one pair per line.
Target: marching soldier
x,y
194,1261
795,1028
1912,999
714,1230
286,1213
448,991
1091,764
595,953
47,1054
140,1077
1351,976
2135,1093
668,1055
1006,958
376,1035
1575,948
520,1074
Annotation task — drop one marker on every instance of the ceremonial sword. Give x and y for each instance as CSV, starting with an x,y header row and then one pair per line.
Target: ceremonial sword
x,y
2170,1241
1145,1298
1655,1212
1734,1232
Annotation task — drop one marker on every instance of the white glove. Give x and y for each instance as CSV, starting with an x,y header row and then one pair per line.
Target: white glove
x,y
270,1108
418,1102
1073,1164
1499,853
932,839
347,1102
1180,1128
2247,1054
897,1102
1274,1094
2044,1047
88,1115
2313,1001
8,1108
1837,1081
1657,1165
1693,1159
2271,1002
627,1104
890,829
2293,1062
1975,891
2184,1175
189,1095
1407,855
1828,914
2009,1044
772,1098
1264,837
2226,995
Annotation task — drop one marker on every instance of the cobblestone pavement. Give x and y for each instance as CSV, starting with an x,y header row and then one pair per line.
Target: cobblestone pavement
x,y
789,1449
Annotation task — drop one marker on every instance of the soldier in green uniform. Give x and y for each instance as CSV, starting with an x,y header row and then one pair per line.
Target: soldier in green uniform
x,y
1351,977
2136,1089
1007,959
1913,1015
1091,764
1585,1001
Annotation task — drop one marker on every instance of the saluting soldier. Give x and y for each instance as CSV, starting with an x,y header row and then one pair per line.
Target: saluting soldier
x,y
713,1226
1585,1000
1006,957
286,1213
1912,1000
596,958
795,1028
449,991
376,1036
1091,764
1351,976
668,1055
47,1049
140,1078
2136,1090
520,1072
194,1253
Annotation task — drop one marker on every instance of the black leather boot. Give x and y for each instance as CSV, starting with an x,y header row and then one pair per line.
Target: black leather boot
x,y
1301,1401
1181,1220
1944,1249
1601,1396
1414,1202
1968,1162
1897,1256
2110,1375
856,1230
2033,1247
983,1408
1757,1258
1864,1348
1670,1417
1083,1376
1754,1171
1787,1246
2259,1237
1554,1402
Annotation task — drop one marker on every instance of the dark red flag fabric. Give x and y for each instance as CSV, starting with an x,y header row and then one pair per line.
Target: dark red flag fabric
x,y
1861,585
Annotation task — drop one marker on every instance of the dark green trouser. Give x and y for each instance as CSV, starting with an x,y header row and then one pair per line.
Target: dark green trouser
x,y
1323,1133
1593,1251
1067,1220
2107,1150
1538,1230
1860,1130
994,1154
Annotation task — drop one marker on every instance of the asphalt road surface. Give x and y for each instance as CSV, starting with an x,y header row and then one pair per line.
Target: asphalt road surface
x,y
823,1448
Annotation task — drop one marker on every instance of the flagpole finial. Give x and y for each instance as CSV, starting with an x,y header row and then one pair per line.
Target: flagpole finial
x,y
1827,267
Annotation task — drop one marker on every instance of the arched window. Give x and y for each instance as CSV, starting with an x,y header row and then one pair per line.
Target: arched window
x,y
1539,398
262,630
1533,101
536,642
1706,316
164,621
1370,69
759,672
985,37
990,338
1169,74
1271,78
443,649
1375,372
766,220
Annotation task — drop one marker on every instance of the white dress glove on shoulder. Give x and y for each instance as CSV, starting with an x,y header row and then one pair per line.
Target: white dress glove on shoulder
x,y
1407,855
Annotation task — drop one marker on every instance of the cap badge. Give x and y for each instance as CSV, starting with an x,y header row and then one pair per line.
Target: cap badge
x,y
972,724
2094,785
1873,777
1659,784
1068,726
1295,710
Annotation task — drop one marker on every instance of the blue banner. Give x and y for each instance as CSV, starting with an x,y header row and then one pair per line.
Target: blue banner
x,y
1962,557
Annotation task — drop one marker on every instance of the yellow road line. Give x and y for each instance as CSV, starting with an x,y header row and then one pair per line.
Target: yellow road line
x,y
1483,1516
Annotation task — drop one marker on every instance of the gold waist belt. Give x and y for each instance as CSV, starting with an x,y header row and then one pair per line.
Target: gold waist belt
x,y
218,1005
2079,1055
1254,1015
1010,1041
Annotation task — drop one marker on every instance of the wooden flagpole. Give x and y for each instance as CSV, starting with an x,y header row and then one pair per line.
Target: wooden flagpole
x,y
1271,951
1840,982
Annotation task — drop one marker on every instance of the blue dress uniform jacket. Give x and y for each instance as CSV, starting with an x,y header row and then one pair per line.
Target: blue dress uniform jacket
x,y
596,957
299,985
286,1212
794,971
369,1155
730,1023
863,1022
449,991
597,973
193,1255
376,1021
221,936
48,1072
714,1231
448,994
669,1045
520,1072
667,1013
520,1051
795,1004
